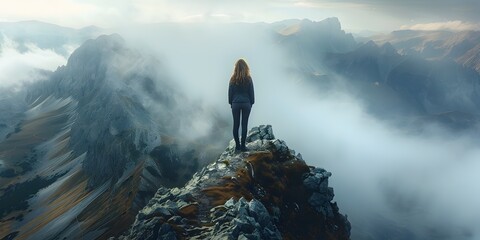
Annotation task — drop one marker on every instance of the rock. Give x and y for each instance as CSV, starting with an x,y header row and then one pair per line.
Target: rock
x,y
247,219
262,132
317,179
321,202
257,210
166,232
247,195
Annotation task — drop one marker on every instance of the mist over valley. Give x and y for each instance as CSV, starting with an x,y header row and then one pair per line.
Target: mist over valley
x,y
95,120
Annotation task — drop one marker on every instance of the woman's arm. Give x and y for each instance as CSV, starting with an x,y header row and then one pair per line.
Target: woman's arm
x,y
251,93
230,93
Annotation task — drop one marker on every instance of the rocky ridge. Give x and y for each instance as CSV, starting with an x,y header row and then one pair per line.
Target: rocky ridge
x,y
267,192
83,150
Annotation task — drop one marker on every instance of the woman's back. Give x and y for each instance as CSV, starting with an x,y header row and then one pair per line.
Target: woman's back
x,y
241,93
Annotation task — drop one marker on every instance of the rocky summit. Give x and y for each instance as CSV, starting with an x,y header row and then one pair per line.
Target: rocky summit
x,y
267,192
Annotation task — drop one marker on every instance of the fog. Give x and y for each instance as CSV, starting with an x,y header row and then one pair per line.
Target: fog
x,y
392,183
24,64
424,184
201,68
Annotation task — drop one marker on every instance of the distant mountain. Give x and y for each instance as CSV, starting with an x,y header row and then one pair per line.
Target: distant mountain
x,y
308,41
93,144
46,35
427,87
471,58
410,75
327,35
462,47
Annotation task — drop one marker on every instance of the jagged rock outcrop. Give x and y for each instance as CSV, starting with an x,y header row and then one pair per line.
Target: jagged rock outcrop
x,y
308,43
92,144
111,124
320,37
267,192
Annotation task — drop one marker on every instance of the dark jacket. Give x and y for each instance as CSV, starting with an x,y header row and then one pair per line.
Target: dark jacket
x,y
241,93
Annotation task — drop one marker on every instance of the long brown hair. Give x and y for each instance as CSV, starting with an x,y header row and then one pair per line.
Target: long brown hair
x,y
241,73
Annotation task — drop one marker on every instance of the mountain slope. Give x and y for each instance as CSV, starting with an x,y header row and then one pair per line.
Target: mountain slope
x,y
462,47
265,193
397,87
96,140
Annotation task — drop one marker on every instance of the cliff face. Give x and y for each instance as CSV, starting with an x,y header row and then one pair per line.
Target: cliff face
x,y
111,124
267,192
92,145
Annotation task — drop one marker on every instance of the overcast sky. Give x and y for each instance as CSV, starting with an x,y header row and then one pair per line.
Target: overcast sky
x,y
354,14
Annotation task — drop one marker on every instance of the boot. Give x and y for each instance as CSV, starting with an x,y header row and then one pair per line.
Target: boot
x,y
238,147
243,148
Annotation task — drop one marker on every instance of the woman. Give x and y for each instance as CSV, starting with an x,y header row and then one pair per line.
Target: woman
x,y
241,99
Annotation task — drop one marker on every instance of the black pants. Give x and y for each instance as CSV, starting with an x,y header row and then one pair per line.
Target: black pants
x,y
237,110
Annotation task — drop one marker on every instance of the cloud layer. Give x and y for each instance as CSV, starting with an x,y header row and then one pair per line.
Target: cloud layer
x,y
18,67
359,14
448,26
385,179
417,182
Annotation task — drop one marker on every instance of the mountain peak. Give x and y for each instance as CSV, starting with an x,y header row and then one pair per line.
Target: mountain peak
x,y
294,26
265,193
94,47
96,140
369,48
97,77
388,49
333,21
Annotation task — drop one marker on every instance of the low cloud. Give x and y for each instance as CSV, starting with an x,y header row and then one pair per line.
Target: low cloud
x,y
384,178
28,64
448,26
387,180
